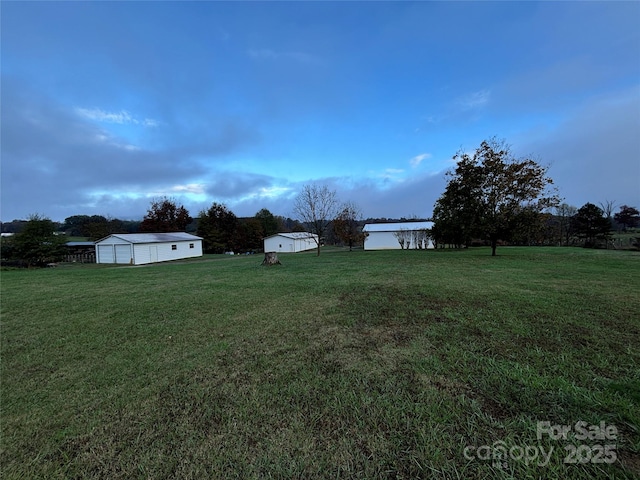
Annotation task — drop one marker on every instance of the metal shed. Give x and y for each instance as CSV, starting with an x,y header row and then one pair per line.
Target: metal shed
x,y
143,248
385,236
291,242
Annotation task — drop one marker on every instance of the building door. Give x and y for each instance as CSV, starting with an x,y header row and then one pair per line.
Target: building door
x,y
106,254
123,254
153,253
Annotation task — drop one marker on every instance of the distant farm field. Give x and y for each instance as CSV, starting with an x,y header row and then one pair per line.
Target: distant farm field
x,y
396,364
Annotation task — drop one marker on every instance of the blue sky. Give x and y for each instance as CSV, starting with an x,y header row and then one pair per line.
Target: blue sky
x,y
107,105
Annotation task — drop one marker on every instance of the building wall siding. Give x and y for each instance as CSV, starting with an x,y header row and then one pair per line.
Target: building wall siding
x,y
283,244
145,252
381,241
385,241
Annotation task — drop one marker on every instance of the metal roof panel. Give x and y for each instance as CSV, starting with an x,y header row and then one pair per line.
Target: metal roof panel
x,y
153,237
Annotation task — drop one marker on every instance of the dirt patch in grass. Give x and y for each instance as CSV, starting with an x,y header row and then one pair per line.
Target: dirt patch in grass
x,y
378,349
391,305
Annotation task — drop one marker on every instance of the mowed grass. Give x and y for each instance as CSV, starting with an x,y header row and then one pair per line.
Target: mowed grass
x,y
348,365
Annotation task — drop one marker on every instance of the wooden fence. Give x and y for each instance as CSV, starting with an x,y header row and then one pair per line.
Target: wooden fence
x,y
89,257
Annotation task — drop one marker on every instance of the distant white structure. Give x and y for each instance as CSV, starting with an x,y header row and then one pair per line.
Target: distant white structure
x,y
291,242
143,248
395,236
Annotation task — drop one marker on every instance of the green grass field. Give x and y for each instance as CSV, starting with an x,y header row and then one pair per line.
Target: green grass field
x,y
397,364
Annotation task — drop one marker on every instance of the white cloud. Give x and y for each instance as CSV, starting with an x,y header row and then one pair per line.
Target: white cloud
x,y
122,117
417,160
196,188
273,192
104,139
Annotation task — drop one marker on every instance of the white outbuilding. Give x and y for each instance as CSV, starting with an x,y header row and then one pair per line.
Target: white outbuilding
x,y
291,242
395,236
143,248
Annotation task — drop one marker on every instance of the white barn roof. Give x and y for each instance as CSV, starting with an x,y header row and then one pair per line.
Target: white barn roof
x,y
153,237
294,235
395,227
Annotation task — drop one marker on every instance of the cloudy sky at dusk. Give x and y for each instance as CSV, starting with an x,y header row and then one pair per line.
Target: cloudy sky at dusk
x,y
106,105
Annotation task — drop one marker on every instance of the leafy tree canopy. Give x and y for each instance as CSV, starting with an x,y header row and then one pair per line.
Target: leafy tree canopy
x,y
37,243
218,226
488,193
628,217
164,215
269,223
591,224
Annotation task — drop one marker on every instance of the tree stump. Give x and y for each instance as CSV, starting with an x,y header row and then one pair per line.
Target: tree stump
x,y
270,259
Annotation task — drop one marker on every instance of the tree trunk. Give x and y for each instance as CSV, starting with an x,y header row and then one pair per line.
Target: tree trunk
x,y
494,244
270,258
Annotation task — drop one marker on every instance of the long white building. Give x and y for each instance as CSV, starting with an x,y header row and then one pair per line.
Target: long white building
x,y
142,248
395,236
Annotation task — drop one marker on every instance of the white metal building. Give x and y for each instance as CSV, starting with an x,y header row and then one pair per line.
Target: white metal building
x,y
142,248
387,236
291,242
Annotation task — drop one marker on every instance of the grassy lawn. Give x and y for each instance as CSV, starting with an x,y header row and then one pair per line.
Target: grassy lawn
x,y
398,364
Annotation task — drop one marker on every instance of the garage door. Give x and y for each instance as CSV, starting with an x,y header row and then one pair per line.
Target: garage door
x,y
105,254
123,254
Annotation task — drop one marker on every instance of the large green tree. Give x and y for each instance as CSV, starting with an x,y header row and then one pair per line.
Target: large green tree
x,y
37,244
164,215
218,226
591,224
268,221
74,225
489,192
249,235
628,217
457,212
94,227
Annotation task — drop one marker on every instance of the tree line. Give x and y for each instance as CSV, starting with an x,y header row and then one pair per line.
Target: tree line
x,y
491,198
39,241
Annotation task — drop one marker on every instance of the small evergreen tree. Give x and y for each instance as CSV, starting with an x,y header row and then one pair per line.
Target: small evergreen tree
x,y
590,224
